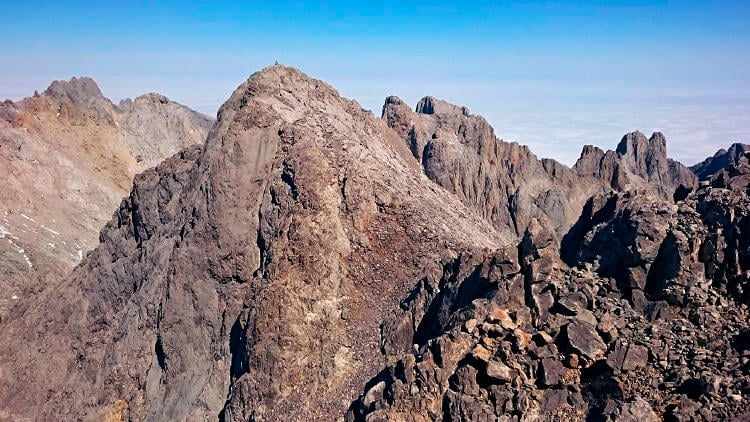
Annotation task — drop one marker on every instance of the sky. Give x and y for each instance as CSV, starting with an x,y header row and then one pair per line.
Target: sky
x,y
554,75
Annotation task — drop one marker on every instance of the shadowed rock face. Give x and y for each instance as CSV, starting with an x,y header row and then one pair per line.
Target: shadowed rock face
x,y
720,160
314,262
68,157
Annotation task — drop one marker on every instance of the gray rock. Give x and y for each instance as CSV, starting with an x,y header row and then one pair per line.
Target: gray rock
x,y
636,357
583,338
637,410
499,371
551,372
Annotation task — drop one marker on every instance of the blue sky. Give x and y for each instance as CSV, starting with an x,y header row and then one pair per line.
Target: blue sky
x,y
551,74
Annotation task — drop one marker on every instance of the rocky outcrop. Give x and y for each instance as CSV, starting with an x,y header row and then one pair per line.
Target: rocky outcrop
x,y
82,92
644,324
723,158
246,280
68,156
650,244
724,207
153,128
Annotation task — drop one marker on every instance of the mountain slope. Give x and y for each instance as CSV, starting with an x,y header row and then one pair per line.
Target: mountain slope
x,y
68,156
247,279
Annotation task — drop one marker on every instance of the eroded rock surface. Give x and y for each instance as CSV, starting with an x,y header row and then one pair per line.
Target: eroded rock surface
x,y
723,158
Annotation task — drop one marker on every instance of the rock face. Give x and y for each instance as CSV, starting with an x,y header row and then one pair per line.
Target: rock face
x,y
720,160
507,184
153,127
314,262
68,157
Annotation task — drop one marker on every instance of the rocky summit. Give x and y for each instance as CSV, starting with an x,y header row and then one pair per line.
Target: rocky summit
x,y
311,261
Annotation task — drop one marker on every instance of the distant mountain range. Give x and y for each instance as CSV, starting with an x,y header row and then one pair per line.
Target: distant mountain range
x,y
311,261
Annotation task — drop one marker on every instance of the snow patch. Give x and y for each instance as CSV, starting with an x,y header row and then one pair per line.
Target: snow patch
x,y
56,233
50,230
29,218
25,257
21,251
14,297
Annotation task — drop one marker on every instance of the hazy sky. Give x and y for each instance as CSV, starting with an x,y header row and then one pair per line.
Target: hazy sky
x,y
551,74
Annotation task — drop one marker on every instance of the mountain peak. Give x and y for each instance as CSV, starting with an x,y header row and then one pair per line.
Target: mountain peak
x,y
287,92
286,87
392,101
739,149
82,91
291,170
432,105
283,77
636,143
590,150
152,97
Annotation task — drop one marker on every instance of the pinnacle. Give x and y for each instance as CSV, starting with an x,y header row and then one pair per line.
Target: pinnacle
x,y
82,91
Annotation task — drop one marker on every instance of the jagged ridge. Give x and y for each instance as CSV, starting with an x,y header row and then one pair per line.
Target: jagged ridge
x,y
507,184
